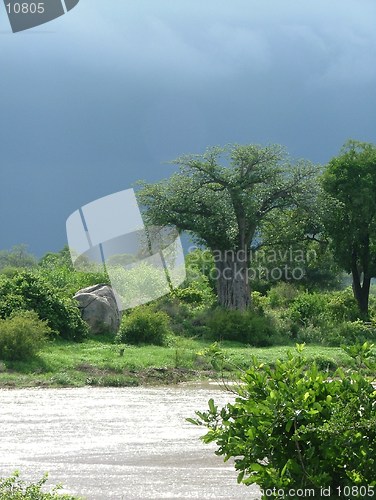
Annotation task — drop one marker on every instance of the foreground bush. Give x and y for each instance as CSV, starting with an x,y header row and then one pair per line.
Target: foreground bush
x,y
144,326
28,291
13,488
291,427
22,336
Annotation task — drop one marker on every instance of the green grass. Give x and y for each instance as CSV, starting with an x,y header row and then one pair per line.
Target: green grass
x,y
98,362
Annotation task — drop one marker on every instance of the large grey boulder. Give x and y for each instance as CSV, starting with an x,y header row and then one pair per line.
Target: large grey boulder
x,y
99,308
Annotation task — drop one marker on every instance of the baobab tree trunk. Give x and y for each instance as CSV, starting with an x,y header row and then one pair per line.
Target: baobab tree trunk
x,y
232,279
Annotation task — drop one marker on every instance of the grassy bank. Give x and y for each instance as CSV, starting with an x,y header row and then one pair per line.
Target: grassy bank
x,y
100,362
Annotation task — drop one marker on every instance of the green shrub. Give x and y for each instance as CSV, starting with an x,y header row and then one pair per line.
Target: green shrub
x,y
214,357
260,303
22,335
246,327
197,291
308,308
10,298
29,291
139,284
13,488
198,294
200,263
336,334
184,320
9,271
293,427
311,334
341,306
351,332
68,280
144,326
326,363
282,294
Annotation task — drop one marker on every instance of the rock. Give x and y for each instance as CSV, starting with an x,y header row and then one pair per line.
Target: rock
x,y
99,308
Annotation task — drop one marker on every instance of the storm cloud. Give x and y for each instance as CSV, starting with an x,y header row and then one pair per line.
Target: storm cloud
x,y
113,90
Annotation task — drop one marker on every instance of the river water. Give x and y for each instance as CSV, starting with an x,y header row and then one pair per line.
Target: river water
x,y
116,443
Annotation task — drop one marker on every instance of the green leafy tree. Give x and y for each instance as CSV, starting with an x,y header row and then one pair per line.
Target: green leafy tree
x,y
350,220
57,269
295,239
222,197
18,257
52,260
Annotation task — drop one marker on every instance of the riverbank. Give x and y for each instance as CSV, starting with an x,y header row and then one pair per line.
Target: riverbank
x,y
100,362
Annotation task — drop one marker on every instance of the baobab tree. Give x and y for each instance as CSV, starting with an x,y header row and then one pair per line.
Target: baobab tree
x,y
222,197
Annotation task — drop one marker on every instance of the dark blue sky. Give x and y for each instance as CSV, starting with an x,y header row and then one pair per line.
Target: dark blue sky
x,y
108,93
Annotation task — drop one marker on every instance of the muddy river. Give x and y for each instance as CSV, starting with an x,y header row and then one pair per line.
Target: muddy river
x,y
116,443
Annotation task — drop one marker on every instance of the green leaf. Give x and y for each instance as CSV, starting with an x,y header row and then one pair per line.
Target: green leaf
x,y
256,467
193,421
289,425
240,476
212,406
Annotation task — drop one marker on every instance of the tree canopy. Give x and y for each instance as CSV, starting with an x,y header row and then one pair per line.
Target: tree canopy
x,y
350,219
18,256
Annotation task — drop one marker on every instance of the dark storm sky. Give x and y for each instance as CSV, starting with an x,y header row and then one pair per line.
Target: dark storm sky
x,y
104,95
